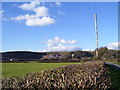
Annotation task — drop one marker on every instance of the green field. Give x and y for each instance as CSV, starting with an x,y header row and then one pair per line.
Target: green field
x,y
115,77
114,62
20,69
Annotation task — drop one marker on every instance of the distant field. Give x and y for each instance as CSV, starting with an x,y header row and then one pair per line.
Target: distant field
x,y
20,69
115,62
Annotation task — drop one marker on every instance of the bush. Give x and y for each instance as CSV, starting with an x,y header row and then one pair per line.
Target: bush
x,y
88,75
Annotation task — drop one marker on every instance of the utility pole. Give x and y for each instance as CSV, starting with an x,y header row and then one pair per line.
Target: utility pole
x,y
73,56
96,29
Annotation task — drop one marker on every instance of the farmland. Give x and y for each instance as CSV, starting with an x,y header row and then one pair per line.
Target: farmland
x,y
88,72
86,75
20,69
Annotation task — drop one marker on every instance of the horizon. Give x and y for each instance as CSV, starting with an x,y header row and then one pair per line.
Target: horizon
x,y
52,51
61,26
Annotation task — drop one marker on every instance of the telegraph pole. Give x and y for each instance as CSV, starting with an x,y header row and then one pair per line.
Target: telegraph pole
x,y
96,30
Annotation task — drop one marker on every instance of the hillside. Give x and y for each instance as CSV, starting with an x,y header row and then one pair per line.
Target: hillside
x,y
21,55
104,53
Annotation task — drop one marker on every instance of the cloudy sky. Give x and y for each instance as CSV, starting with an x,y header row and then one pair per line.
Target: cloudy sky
x,y
60,26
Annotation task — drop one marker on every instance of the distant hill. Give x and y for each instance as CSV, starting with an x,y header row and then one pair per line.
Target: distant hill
x,y
104,54
17,56
26,55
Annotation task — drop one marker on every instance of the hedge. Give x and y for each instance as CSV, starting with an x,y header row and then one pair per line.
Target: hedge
x,y
88,75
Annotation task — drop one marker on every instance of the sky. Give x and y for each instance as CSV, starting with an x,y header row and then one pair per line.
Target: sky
x,y
58,26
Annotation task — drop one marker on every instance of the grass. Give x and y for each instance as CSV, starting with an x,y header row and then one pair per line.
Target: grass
x,y
115,77
114,62
20,69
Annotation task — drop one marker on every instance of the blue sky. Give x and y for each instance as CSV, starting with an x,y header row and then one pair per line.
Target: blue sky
x,y
58,26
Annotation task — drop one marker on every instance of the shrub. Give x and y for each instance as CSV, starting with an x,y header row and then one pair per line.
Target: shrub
x,y
88,75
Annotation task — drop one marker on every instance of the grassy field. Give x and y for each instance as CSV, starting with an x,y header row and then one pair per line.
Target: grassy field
x,y
20,69
115,62
115,77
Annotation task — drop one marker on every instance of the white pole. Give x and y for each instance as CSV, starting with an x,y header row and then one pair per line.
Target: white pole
x,y
73,56
96,29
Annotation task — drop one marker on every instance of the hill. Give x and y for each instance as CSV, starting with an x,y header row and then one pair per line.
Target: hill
x,y
16,56
21,55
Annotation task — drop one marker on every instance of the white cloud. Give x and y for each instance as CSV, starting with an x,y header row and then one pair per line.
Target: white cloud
x,y
88,50
40,21
20,50
58,44
114,45
29,50
64,48
56,41
44,50
58,4
24,17
40,18
41,11
29,6
1,51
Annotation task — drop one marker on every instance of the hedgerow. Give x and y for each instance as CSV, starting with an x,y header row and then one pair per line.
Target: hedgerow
x,y
88,75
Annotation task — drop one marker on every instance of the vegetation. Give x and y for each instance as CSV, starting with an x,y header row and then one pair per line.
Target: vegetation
x,y
114,61
115,77
105,53
20,69
91,74
26,56
88,75
21,56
